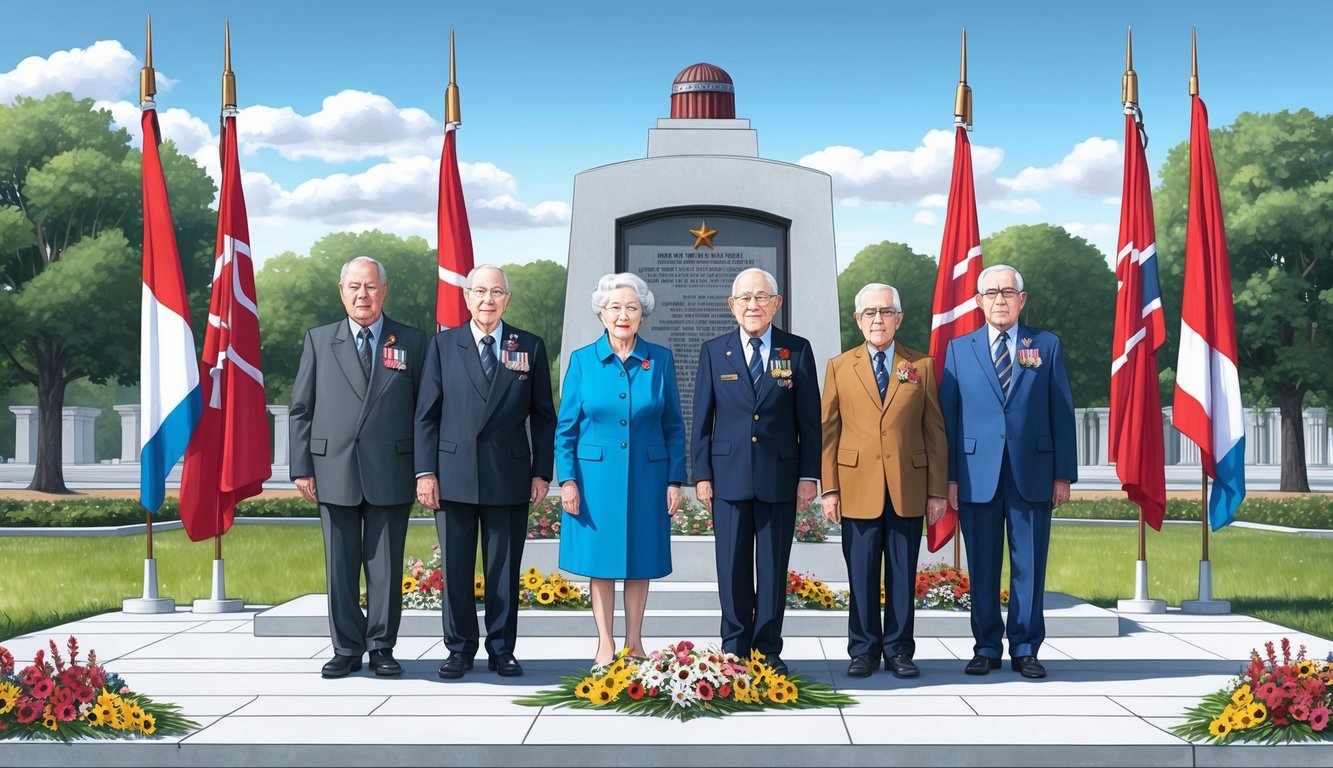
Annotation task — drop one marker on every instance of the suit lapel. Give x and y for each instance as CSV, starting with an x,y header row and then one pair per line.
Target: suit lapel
x,y
981,350
893,377
379,375
471,359
865,371
1020,372
503,378
344,351
736,356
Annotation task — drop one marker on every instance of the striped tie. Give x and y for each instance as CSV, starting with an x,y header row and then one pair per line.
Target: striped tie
x,y
756,362
881,375
1004,367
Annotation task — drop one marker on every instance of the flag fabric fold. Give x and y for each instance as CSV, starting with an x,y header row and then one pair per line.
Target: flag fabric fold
x,y
169,396
228,459
455,239
955,311
1136,440
1207,397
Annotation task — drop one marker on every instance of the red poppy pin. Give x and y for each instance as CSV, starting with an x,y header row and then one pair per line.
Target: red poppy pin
x,y
646,364
391,340
784,353
512,344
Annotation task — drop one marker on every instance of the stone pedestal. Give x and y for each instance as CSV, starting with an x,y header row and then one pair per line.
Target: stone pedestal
x,y
280,449
78,429
1171,439
129,432
1103,446
25,433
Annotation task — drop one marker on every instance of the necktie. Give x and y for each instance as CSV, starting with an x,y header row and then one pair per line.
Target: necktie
x,y
756,362
881,375
1004,367
488,364
365,349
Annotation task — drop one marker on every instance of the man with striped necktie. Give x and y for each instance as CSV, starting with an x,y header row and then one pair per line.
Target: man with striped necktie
x,y
1009,416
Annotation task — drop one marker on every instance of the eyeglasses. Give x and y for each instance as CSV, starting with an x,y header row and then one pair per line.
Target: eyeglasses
x,y
761,299
885,312
1008,293
480,293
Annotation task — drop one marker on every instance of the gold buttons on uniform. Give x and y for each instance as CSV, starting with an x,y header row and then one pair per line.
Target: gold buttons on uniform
x,y
754,439
756,417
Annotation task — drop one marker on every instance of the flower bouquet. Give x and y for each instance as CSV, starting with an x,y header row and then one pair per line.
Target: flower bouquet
x,y
683,682
805,591
943,587
55,699
551,591
1270,702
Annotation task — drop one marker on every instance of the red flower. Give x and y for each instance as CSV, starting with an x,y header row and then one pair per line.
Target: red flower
x,y
704,690
31,674
646,364
635,690
66,712
6,660
1319,717
652,693
784,353
28,711
724,691
43,688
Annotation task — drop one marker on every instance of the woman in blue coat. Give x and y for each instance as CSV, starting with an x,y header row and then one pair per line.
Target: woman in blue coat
x,y
620,456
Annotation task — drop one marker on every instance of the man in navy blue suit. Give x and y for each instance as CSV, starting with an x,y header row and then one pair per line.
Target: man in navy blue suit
x,y
1009,418
755,452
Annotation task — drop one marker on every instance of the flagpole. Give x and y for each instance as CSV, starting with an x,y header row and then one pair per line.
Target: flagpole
x,y
1205,604
149,602
962,117
1141,602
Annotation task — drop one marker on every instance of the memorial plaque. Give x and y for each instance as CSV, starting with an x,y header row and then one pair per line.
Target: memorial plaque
x,y
690,284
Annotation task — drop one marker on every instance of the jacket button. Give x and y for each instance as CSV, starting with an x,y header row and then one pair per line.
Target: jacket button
x,y
756,417
754,439
623,422
622,395
622,445
622,374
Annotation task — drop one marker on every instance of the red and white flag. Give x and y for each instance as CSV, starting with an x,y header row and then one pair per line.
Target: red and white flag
x,y
1136,445
955,311
228,459
455,239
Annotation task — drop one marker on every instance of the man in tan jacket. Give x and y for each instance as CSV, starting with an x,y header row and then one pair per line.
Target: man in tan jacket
x,y
884,467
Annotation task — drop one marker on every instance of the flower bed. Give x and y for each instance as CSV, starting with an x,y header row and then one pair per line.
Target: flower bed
x,y
55,699
693,519
1269,702
683,682
423,587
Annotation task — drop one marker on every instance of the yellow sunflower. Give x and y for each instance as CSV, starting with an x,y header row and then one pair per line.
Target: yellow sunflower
x,y
149,724
479,587
563,590
409,584
545,596
532,579
133,715
585,688
1242,696
792,693
777,694
826,601
1259,712
603,696
106,716
9,697
49,721
532,571
1305,668
105,699
1219,727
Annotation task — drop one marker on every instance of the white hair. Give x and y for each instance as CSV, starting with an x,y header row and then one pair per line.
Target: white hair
x,y
468,283
981,278
772,281
342,274
613,280
869,287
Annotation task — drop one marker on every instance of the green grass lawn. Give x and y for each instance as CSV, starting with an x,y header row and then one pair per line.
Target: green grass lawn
x,y
46,581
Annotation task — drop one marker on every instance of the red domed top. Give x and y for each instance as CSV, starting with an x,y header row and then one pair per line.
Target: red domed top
x,y
703,91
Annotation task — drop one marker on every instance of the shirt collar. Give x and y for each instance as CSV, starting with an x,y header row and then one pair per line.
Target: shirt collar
x,y
478,334
376,328
888,351
993,333
606,353
766,339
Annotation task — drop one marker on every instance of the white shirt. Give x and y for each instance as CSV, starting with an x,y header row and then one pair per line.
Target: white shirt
x,y
993,333
376,328
478,334
765,346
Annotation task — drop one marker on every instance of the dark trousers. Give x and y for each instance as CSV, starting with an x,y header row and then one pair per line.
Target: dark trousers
x,y
503,530
1028,527
369,538
753,546
866,545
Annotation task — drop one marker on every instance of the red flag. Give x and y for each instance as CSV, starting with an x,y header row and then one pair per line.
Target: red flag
x,y
1140,328
955,311
228,458
455,249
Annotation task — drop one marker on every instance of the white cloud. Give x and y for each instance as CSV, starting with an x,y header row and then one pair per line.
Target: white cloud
x,y
1112,201
903,176
934,201
1020,205
103,70
1093,167
925,217
351,125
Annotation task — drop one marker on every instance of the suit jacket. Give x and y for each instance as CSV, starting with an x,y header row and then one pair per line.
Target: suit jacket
x,y
755,443
872,445
1035,423
473,434
354,437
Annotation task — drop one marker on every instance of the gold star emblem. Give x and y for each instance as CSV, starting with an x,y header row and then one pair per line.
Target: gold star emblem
x,y
703,236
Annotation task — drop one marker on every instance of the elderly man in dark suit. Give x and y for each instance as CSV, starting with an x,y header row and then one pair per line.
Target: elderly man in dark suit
x,y
485,443
351,453
755,441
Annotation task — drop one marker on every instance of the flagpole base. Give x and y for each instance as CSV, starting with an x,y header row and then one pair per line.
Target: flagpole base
x,y
1141,603
1205,604
150,602
218,602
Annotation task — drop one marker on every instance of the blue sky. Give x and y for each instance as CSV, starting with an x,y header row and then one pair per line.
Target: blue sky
x,y
342,102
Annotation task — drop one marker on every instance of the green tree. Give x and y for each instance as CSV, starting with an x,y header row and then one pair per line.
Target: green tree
x,y
1275,172
1071,292
538,304
913,274
70,237
297,293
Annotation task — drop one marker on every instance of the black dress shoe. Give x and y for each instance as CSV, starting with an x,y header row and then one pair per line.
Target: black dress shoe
x,y
901,665
981,665
383,663
779,666
454,666
505,665
862,665
341,666
1028,666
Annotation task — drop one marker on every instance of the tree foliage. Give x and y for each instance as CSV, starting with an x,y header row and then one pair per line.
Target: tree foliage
x,y
913,274
1071,292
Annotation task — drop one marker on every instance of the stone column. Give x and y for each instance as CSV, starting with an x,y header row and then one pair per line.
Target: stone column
x,y
1251,418
1188,451
129,432
78,427
1103,447
1273,419
1080,437
1316,443
25,433
280,449
1170,438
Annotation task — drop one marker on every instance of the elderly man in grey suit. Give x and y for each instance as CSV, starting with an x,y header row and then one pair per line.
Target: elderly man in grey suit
x,y
351,453
485,432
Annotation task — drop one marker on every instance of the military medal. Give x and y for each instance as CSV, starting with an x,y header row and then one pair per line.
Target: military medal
x,y
515,361
779,367
393,358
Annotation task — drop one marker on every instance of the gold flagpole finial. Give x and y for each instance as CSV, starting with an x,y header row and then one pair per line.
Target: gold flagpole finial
x,y
962,99
228,77
147,77
1129,84
453,112
1194,62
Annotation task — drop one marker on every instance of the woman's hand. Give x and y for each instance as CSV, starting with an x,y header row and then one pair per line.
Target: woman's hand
x,y
674,499
569,497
